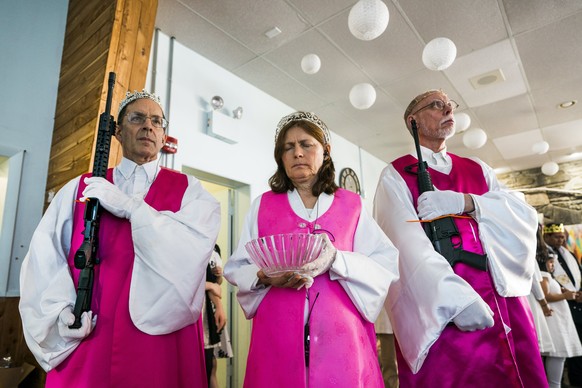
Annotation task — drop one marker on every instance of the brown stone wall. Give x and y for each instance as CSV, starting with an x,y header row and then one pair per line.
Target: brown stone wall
x,y
558,197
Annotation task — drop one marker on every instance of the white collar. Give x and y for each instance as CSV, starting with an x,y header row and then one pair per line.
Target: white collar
x,y
127,168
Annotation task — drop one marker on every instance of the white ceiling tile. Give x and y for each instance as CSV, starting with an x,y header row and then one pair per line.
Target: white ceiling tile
x,y
498,56
519,144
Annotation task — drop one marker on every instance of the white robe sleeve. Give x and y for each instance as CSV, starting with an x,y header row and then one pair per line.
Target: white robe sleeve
x,y
241,271
365,274
46,285
368,271
536,287
507,230
428,294
172,251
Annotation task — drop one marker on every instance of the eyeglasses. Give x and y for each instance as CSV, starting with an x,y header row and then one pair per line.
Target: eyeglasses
x,y
139,119
439,105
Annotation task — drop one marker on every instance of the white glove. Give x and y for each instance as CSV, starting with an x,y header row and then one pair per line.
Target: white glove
x,y
67,318
323,261
477,316
433,204
113,200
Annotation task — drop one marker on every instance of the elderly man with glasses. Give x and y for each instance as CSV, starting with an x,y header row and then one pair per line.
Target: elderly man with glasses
x,y
156,235
467,248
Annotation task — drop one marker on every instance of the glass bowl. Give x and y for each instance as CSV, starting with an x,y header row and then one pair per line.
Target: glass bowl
x,y
280,253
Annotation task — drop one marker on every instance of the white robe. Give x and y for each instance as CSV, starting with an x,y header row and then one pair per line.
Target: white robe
x,y
365,274
429,294
175,287
560,274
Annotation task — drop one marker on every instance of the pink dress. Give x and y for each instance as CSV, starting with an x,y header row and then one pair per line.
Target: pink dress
x,y
343,343
116,353
483,358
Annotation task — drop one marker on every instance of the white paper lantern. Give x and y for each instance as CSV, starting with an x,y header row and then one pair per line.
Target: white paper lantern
x,y
550,168
474,138
439,54
540,148
462,121
362,96
368,19
310,64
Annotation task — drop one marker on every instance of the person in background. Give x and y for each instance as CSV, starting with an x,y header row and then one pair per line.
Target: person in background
x,y
467,325
313,328
386,349
213,314
537,299
562,329
568,274
156,235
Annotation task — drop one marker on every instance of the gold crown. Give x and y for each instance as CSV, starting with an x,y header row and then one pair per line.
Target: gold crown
x,y
307,116
131,97
554,228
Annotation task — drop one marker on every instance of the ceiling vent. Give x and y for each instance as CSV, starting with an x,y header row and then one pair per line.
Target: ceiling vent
x,y
490,78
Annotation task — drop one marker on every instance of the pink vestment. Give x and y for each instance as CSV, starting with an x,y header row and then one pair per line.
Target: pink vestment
x,y
482,358
343,343
116,353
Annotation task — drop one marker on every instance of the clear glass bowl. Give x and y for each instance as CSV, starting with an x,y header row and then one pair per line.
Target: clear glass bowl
x,y
280,253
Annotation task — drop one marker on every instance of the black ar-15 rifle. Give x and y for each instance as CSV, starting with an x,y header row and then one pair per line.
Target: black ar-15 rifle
x,y
86,256
442,230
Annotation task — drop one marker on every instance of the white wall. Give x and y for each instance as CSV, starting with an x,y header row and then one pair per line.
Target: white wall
x,y
194,81
31,46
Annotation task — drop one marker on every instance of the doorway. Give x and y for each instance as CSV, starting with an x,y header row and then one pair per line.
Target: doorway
x,y
234,199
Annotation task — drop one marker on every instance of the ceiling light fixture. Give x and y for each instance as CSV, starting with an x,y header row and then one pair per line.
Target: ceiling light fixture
x,y
362,96
462,121
439,54
273,32
567,104
540,148
368,19
550,168
474,138
310,64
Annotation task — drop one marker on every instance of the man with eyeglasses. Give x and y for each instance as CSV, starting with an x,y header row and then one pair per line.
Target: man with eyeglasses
x,y
156,236
460,325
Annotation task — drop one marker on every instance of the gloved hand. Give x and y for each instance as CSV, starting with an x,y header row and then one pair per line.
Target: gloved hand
x,y
67,318
113,200
477,316
433,204
323,261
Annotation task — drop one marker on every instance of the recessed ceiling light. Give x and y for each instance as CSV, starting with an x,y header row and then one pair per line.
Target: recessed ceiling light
x,y
273,32
567,104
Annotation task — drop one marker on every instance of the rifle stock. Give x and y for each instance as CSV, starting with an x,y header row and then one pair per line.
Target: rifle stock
x,y
442,230
86,256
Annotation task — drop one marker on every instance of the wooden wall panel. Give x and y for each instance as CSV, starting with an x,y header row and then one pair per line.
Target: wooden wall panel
x,y
101,36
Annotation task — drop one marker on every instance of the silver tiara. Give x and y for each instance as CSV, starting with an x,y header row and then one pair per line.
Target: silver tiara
x,y
131,97
307,116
